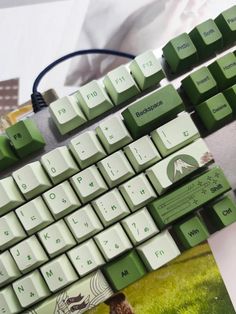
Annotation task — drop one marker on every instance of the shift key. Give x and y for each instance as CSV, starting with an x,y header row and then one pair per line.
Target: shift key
x,y
189,197
153,110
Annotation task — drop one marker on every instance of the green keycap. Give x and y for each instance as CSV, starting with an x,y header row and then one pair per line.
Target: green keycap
x,y
226,22
224,70
230,95
199,85
124,270
215,112
25,137
7,155
180,53
207,38
189,197
222,213
191,232
120,85
152,110
146,70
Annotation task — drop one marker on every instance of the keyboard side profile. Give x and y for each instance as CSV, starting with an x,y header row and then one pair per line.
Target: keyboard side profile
x,y
123,183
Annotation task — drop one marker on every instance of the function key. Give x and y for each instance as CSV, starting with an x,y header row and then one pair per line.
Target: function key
x,y
66,114
226,22
215,112
199,85
207,38
224,70
180,53
146,70
120,85
25,137
7,155
93,99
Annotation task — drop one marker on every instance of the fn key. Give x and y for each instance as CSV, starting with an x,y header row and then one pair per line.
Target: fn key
x,y
124,271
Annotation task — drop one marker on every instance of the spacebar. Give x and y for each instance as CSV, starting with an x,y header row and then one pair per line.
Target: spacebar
x,y
81,296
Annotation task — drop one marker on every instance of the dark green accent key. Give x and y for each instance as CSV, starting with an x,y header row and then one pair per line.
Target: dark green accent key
x,y
215,112
180,53
224,70
25,137
207,38
191,232
230,95
226,22
200,85
124,270
189,197
222,213
7,155
152,110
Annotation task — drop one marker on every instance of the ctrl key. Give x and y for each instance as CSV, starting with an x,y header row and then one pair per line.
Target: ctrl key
x,y
124,270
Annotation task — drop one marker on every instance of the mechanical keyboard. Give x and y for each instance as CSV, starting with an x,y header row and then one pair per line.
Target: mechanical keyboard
x,y
118,179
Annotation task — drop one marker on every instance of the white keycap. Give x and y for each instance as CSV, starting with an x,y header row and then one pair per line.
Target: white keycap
x,y
84,223
59,164
110,207
10,196
61,200
115,168
113,241
87,149
8,269
11,231
66,114
175,134
28,254
56,238
93,99
140,226
88,184
158,251
178,165
137,192
142,153
32,179
58,273
30,289
113,134
9,303
86,257
34,215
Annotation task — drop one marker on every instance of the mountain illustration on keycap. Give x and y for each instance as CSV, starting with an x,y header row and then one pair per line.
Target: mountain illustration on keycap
x,y
180,166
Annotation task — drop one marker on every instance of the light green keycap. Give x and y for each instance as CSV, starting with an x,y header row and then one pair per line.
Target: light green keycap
x,y
152,110
200,85
93,99
226,22
224,70
179,165
207,38
230,95
9,302
146,70
7,155
222,213
124,270
215,112
191,232
180,53
66,114
175,134
189,197
120,85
